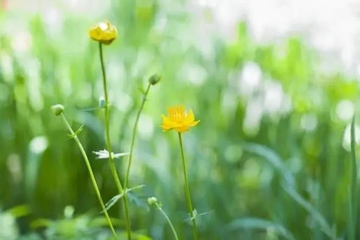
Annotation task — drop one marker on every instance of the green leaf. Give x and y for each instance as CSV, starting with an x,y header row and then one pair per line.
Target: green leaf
x,y
312,210
260,224
112,201
271,157
77,132
117,197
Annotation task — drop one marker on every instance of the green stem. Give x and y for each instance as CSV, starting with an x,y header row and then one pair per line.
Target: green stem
x,y
134,136
109,148
187,190
168,220
353,197
92,177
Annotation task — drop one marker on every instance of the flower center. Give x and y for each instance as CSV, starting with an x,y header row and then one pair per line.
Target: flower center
x,y
177,113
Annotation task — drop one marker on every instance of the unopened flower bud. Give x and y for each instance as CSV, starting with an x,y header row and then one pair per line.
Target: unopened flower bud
x,y
154,79
152,200
57,109
103,32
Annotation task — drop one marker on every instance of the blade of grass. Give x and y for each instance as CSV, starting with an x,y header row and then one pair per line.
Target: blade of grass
x,y
318,217
261,224
289,183
272,157
353,197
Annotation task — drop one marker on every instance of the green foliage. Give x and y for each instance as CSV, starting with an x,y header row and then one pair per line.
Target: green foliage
x,y
278,180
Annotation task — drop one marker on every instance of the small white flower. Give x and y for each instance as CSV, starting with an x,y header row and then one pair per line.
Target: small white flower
x,y
104,154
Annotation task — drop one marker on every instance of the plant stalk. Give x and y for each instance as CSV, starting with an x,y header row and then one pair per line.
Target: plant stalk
x,y
168,220
109,148
187,190
132,144
353,197
92,177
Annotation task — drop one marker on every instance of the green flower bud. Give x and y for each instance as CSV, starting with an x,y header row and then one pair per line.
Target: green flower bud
x,y
154,79
152,200
57,109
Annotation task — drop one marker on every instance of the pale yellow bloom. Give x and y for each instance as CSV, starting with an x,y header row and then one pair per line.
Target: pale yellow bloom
x,y
178,119
103,32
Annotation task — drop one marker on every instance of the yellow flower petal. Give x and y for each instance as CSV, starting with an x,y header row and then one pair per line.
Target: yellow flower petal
x,y
193,124
182,129
190,117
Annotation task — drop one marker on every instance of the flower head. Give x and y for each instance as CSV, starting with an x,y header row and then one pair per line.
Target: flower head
x,y
178,119
152,200
154,79
103,32
57,109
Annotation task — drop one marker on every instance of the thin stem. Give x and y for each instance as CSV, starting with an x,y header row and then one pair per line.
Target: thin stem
x,y
92,177
168,220
134,136
353,197
109,148
187,190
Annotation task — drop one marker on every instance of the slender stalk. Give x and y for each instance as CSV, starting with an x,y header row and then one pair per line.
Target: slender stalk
x,y
134,136
92,177
109,148
187,190
168,220
353,197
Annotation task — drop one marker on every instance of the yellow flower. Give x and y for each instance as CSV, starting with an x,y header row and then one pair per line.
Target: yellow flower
x,y
103,32
178,119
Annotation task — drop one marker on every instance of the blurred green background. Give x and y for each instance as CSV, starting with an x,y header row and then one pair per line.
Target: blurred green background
x,y
269,160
